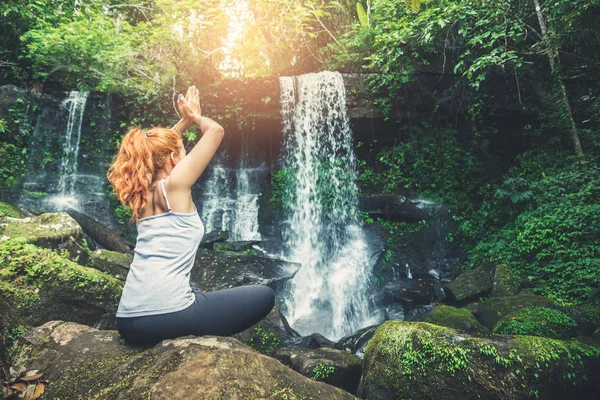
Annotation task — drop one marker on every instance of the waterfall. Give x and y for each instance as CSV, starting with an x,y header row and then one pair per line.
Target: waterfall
x,y
229,199
75,104
329,294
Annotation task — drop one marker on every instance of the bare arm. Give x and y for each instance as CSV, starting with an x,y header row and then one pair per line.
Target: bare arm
x,y
188,170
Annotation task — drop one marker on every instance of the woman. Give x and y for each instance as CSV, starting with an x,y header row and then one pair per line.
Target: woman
x,y
153,176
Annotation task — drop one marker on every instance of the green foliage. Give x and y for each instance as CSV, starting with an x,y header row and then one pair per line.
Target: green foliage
x,y
552,237
14,334
123,214
440,164
322,371
537,321
264,342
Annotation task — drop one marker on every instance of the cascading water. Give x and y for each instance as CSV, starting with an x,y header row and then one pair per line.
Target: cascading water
x,y
329,294
232,207
75,103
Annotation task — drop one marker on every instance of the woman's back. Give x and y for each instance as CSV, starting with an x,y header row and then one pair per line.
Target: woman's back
x,y
158,280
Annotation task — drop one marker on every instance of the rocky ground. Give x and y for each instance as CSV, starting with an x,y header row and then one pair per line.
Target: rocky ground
x,y
480,337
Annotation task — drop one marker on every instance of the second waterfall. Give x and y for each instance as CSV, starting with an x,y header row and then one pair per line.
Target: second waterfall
x,y
329,294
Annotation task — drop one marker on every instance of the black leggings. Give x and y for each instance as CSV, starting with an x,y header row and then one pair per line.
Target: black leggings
x,y
220,313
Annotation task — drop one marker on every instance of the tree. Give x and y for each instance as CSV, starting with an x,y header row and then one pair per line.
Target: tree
x,y
552,54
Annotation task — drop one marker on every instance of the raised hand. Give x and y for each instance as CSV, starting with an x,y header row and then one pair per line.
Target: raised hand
x,y
189,107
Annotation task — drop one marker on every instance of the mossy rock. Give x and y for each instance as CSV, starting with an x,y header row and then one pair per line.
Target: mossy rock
x,y
84,363
587,317
57,231
8,210
506,282
417,360
457,318
334,367
472,284
112,262
537,321
494,309
44,286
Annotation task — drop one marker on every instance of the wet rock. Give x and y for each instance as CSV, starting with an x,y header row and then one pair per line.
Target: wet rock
x,y
334,367
81,362
112,262
417,360
245,245
391,207
210,238
457,318
472,284
269,334
215,270
314,341
356,342
409,292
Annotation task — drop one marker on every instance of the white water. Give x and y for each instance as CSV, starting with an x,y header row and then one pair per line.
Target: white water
x,y
322,231
230,200
75,103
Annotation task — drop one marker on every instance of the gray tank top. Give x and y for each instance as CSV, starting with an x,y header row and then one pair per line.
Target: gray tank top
x,y
158,281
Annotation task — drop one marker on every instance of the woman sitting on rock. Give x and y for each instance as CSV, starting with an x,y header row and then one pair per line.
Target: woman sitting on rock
x,y
153,176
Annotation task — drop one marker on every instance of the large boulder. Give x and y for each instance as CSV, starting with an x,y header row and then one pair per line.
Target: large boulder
x,y
457,318
56,231
417,360
471,284
82,362
44,286
215,270
334,367
494,309
271,333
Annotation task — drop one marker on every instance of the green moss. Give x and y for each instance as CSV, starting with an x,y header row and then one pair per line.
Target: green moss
x,y
457,318
43,227
506,281
41,282
494,309
33,266
537,321
8,210
420,360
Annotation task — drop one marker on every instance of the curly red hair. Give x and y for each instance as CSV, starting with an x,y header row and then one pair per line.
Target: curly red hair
x,y
140,156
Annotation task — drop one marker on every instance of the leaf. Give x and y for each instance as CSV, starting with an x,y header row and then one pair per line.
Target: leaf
x,y
362,15
39,390
32,377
